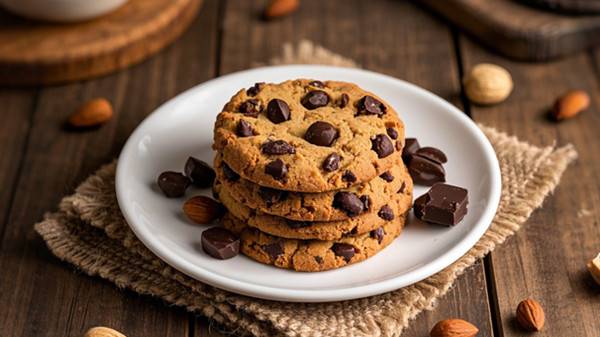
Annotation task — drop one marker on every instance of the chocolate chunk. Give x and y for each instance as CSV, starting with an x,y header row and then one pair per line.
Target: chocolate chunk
x,y
386,213
251,107
377,234
220,243
201,174
343,101
229,174
392,133
366,202
425,172
382,145
349,177
344,250
244,129
432,153
253,90
315,99
278,147
387,176
272,196
273,249
319,259
331,163
317,84
402,187
369,105
411,145
443,204
278,111
297,224
277,169
321,133
348,202
173,184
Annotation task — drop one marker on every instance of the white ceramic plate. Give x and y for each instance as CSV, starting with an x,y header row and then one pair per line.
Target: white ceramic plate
x,y
184,126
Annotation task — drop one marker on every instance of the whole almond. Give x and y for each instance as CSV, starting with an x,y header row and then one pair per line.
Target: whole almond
x,y
530,315
279,8
101,331
453,328
203,210
594,268
92,113
570,104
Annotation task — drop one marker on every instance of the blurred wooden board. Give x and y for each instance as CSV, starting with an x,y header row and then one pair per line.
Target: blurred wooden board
x,y
45,53
518,30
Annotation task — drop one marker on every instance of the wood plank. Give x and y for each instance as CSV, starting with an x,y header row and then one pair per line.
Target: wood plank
x,y
546,259
392,37
40,295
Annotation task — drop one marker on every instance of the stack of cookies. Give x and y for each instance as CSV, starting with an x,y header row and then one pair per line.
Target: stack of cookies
x,y
311,173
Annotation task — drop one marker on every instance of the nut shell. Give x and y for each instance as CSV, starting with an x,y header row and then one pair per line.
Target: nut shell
x,y
488,84
530,315
453,328
101,331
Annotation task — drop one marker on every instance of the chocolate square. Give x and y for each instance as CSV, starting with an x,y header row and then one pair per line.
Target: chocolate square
x,y
443,204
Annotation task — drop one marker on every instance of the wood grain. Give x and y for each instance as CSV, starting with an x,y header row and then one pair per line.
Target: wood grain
x,y
44,53
546,259
39,295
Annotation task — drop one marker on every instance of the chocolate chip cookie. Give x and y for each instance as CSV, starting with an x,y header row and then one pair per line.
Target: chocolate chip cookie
x,y
314,206
368,220
308,136
313,255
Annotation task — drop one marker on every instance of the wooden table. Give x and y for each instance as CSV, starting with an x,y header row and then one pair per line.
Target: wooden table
x,y
41,162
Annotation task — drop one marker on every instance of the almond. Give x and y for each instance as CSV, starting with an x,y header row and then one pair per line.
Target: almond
x,y
279,8
488,84
101,331
203,210
92,113
594,268
453,328
570,104
530,315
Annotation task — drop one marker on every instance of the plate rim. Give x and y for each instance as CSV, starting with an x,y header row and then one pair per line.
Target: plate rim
x,y
303,295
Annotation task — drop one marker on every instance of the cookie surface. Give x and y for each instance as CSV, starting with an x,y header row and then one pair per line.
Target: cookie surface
x,y
313,206
308,136
312,255
369,220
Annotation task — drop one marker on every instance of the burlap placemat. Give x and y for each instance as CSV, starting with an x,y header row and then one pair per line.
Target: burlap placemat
x,y
90,232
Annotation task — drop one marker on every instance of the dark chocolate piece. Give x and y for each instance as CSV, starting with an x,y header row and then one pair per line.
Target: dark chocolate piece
x,y
377,234
411,145
220,243
273,249
278,111
382,145
432,153
278,147
386,213
369,105
251,107
229,174
343,101
443,204
315,99
348,202
173,184
387,176
344,250
253,90
277,169
392,133
331,163
201,174
321,133
366,202
244,129
426,172
317,84
349,177
272,196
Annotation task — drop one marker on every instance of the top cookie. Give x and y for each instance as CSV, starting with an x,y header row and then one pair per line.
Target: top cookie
x,y
308,136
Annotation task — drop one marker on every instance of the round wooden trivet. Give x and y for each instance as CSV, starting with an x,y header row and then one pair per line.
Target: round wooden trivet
x,y
46,53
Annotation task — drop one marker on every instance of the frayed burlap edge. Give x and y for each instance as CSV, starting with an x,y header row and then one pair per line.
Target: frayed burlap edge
x,y
90,232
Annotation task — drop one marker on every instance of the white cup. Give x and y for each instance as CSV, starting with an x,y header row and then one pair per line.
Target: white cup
x,y
61,10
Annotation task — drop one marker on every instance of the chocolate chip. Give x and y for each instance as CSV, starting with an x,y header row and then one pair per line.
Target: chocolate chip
x,y
251,107
297,224
319,259
432,153
331,163
273,249
278,111
377,234
387,176
348,202
278,147
349,177
369,105
315,99
392,133
220,243
173,184
321,133
382,145
425,172
317,84
272,196
354,231
201,174
386,213
229,174
244,129
443,204
253,90
411,145
402,187
366,201
277,169
344,250
343,101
